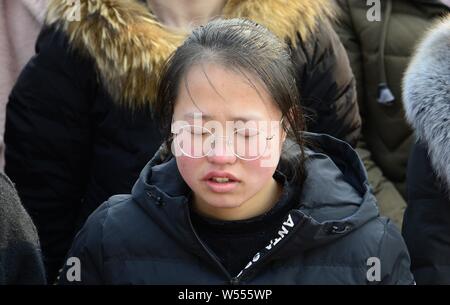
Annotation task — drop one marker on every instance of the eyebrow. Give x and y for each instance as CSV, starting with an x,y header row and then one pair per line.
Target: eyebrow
x,y
193,115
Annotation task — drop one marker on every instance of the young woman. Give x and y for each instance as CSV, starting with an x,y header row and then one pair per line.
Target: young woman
x,y
79,123
238,199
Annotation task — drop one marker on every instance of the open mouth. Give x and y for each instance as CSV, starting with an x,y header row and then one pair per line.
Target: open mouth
x,y
221,185
221,180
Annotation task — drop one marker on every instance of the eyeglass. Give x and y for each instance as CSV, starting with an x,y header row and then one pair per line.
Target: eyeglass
x,y
198,142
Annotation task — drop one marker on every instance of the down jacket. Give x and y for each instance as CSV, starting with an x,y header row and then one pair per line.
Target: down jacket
x,y
333,234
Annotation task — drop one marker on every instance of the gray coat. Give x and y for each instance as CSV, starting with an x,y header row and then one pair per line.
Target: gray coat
x,y
20,254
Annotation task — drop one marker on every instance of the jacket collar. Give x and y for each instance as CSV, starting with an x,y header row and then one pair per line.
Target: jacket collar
x,y
129,73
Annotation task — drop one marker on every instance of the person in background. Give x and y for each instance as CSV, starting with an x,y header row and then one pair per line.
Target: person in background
x,y
20,23
426,98
379,52
20,255
239,198
80,125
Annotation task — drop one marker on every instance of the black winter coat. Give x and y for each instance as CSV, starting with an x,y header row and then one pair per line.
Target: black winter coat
x,y
330,237
78,124
426,225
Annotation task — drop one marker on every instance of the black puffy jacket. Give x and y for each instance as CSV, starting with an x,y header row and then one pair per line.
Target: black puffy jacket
x,y
330,237
78,125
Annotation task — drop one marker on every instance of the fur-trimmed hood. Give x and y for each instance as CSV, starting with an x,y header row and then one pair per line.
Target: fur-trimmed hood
x,y
130,46
426,96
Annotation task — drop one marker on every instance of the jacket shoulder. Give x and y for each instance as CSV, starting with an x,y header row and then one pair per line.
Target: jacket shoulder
x,y
120,217
381,243
56,59
115,204
377,244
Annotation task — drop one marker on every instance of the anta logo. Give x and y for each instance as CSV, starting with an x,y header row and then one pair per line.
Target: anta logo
x,y
287,225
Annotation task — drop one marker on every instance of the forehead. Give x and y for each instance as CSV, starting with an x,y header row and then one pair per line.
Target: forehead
x,y
223,94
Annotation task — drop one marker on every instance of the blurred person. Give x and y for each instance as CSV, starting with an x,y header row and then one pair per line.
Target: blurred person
x,y
79,124
379,52
426,98
237,200
20,23
20,255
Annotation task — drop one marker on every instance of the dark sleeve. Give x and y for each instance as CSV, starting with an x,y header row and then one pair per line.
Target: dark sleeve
x,y
327,85
87,251
48,140
349,38
20,254
394,258
426,224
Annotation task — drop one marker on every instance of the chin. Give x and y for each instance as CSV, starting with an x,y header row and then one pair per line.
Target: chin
x,y
223,201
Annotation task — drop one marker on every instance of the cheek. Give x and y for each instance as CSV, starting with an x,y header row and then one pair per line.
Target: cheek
x,y
189,169
256,174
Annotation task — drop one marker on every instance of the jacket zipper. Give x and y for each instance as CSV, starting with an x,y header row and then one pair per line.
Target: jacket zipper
x,y
232,280
237,279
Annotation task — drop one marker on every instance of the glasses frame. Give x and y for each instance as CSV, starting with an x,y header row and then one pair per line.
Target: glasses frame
x,y
228,142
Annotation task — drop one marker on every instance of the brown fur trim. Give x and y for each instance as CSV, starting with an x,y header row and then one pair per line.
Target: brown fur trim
x,y
130,46
285,18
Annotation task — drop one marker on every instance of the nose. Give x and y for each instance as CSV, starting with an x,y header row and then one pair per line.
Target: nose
x,y
222,151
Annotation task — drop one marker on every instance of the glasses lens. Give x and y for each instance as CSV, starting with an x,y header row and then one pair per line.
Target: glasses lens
x,y
194,141
249,143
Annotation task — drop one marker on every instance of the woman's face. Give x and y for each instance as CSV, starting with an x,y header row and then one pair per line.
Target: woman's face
x,y
232,105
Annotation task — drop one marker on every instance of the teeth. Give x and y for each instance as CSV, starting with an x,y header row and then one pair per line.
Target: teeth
x,y
221,180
